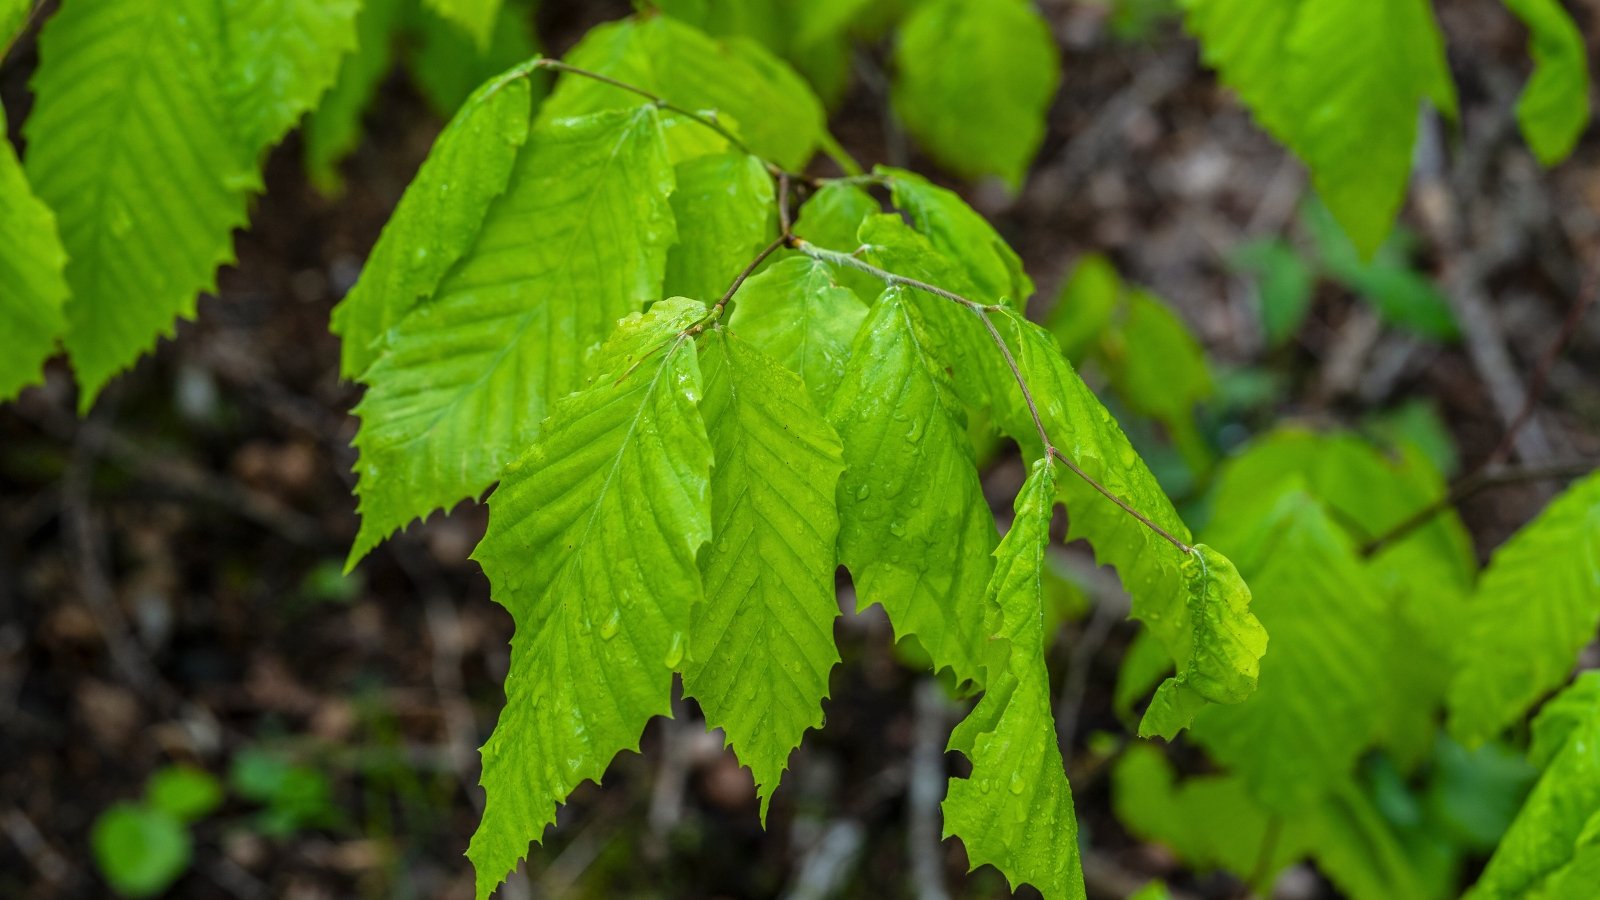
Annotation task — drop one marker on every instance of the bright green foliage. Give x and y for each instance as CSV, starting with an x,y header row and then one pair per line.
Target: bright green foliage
x,y
915,531
1535,608
1083,308
1322,687
803,318
1338,82
1015,810
983,115
958,233
726,212
1553,838
1554,107
13,15
438,217
832,218
578,240
761,647
448,65
32,288
1212,822
184,792
811,34
143,235
147,203
333,129
476,17
1194,603
752,93
283,55
591,546
140,850
1154,363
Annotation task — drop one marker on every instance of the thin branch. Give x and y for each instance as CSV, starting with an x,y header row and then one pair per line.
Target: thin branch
x,y
11,43
1479,481
890,278
1541,373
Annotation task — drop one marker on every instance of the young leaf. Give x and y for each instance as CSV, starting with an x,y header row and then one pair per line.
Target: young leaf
x,y
1194,603
959,233
476,17
798,313
726,213
1015,811
333,129
1321,697
1549,833
282,56
832,218
1535,608
32,287
761,647
1284,285
1338,82
1159,370
751,92
1083,308
915,531
146,203
983,115
578,240
591,546
1554,107
447,65
438,217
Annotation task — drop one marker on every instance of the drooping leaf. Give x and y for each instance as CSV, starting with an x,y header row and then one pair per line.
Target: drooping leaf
x,y
726,212
959,233
1320,703
578,240
1338,82
915,531
475,17
32,287
1536,607
1548,834
333,129
282,56
983,115
591,546
803,318
1554,107
1194,603
146,204
761,647
751,92
438,217
1015,810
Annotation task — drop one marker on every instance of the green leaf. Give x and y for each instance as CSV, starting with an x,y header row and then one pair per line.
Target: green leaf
x,y
1338,82
974,83
282,56
1284,285
438,217
1535,608
333,129
751,92
1194,603
448,66
32,287
958,233
1158,369
147,202
140,851
1547,833
915,530
1554,107
832,218
726,213
578,240
1320,704
591,546
184,792
1082,311
803,318
476,17
761,647
1015,811
1402,296
13,17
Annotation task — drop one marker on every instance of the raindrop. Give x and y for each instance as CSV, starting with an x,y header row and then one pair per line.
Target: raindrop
x,y
609,629
674,652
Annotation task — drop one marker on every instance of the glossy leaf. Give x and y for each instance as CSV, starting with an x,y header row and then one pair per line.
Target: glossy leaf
x,y
591,546
726,212
796,312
